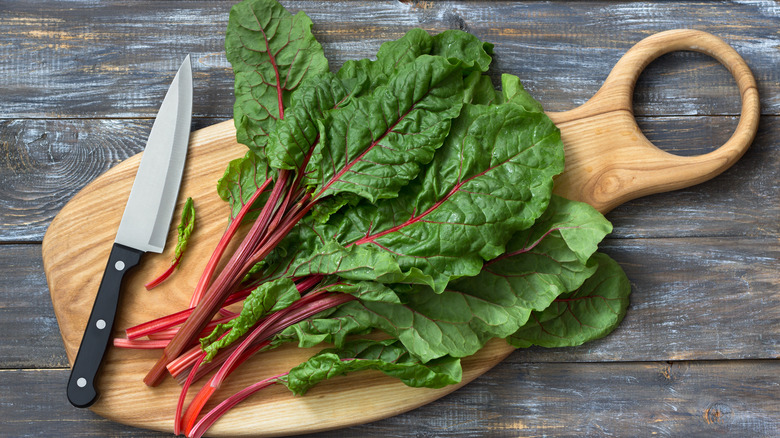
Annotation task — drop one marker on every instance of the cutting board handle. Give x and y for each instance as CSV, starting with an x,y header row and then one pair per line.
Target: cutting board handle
x,y
608,159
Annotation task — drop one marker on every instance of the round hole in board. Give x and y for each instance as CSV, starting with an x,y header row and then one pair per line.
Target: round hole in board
x,y
687,103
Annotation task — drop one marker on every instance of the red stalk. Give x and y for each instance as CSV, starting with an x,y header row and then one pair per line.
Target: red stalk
x,y
164,276
177,420
304,308
233,272
173,319
215,414
140,344
181,363
211,266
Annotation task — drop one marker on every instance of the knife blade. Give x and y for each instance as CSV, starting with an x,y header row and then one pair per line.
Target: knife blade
x,y
143,228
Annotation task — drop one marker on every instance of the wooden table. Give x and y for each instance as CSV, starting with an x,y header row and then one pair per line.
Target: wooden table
x,y
80,82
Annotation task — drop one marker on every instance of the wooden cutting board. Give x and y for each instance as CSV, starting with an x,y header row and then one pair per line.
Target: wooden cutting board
x,y
608,161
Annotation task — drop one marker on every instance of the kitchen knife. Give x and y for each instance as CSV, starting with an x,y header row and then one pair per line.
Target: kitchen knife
x,y
144,227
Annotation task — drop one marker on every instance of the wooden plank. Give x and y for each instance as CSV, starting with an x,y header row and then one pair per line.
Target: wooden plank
x,y
112,59
30,334
49,161
696,399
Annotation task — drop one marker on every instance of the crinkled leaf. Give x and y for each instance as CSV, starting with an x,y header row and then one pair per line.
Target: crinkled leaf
x,y
479,90
363,75
292,141
513,92
377,143
242,178
358,262
462,46
432,325
365,291
330,329
589,313
544,261
492,177
389,357
185,228
267,298
271,52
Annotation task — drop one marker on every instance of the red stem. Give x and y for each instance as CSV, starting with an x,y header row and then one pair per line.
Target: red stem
x,y
215,414
164,276
177,419
165,322
140,344
306,307
230,276
227,236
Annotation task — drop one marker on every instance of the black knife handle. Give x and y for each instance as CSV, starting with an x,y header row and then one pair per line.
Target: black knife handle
x,y
81,384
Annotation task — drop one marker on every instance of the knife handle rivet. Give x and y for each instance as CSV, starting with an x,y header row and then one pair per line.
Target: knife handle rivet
x,y
100,324
119,265
81,382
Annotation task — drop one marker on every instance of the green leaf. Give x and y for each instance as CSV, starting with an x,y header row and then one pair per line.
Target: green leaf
x,y
432,325
242,178
364,75
389,357
376,144
271,52
588,313
514,92
185,228
358,263
544,261
479,90
462,46
267,298
293,139
492,177
311,332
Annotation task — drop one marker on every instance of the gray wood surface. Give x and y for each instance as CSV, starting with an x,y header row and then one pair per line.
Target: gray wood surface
x,y
697,353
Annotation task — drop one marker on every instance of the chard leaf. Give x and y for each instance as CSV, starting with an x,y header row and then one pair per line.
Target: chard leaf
x,y
389,357
310,332
271,52
267,298
462,46
242,178
364,75
588,313
492,177
291,143
459,47
544,261
185,228
365,291
513,92
376,144
359,263
479,90
432,325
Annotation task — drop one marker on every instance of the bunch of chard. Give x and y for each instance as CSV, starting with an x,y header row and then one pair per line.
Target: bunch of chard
x,y
403,194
